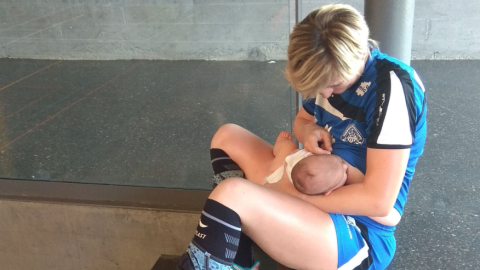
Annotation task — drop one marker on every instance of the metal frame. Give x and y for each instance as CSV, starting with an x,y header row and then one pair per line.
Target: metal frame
x,y
298,16
298,97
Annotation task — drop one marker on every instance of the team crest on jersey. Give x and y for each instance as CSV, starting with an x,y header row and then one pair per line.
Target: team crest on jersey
x,y
352,135
362,89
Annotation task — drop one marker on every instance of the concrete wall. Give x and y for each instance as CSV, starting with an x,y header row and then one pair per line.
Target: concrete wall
x,y
144,29
71,237
202,29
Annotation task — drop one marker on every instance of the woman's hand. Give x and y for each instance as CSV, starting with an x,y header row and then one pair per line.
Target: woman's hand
x,y
314,136
310,134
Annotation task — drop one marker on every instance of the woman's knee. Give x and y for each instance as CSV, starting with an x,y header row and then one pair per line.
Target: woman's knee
x,y
229,191
224,135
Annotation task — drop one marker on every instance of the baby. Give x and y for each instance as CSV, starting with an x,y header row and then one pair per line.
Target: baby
x,y
310,174
315,174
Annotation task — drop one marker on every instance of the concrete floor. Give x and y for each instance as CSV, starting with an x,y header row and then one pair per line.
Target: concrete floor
x,y
148,123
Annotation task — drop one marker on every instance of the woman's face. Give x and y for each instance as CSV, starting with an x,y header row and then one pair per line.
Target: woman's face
x,y
339,84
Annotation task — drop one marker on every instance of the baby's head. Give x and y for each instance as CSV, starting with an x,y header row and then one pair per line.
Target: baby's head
x,y
319,174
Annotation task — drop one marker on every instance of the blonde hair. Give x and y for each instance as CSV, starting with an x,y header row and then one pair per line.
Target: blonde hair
x,y
323,47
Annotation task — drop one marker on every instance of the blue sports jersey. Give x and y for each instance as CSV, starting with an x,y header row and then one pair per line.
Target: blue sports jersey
x,y
384,109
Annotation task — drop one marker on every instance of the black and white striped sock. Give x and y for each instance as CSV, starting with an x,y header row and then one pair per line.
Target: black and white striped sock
x,y
218,232
223,166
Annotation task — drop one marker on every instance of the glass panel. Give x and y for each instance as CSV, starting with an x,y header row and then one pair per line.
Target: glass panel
x,y
75,107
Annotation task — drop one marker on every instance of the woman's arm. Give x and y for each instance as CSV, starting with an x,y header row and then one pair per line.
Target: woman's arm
x,y
354,175
376,195
309,134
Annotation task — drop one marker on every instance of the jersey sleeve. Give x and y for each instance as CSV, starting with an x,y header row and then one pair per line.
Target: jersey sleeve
x,y
309,105
393,123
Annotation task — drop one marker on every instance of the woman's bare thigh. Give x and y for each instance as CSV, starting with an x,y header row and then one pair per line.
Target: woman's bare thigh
x,y
250,152
291,231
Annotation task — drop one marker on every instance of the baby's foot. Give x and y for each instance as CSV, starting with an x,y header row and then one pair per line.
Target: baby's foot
x,y
283,136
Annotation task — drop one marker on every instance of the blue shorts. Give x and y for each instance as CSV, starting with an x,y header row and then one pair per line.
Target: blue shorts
x,y
363,243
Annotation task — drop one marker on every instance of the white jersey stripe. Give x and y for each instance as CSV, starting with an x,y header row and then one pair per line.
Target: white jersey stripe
x,y
396,126
417,78
323,102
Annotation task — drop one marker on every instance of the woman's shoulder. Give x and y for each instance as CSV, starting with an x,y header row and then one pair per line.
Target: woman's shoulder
x,y
385,64
386,73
